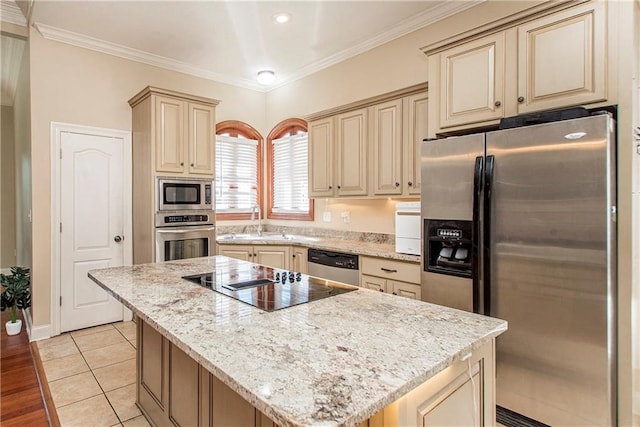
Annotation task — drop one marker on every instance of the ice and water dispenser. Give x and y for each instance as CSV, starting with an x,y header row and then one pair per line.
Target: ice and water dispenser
x,y
448,247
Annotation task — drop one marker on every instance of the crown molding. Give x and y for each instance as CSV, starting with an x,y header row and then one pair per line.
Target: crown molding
x,y
416,22
11,13
421,20
80,40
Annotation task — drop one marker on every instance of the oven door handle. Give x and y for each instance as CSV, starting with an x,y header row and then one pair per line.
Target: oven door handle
x,y
183,230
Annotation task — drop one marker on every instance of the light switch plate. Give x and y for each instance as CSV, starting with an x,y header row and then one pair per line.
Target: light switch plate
x,y
326,216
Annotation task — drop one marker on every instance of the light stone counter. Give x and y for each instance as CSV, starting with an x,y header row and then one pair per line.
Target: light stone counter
x,y
334,361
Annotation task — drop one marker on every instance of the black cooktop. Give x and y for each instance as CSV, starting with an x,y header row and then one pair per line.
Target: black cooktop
x,y
269,288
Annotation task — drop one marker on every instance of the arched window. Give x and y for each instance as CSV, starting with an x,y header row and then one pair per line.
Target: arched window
x,y
238,170
287,173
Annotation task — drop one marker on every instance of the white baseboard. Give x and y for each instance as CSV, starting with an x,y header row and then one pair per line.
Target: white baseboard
x,y
38,333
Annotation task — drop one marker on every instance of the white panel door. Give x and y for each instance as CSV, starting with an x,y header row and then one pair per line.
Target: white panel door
x,y
92,224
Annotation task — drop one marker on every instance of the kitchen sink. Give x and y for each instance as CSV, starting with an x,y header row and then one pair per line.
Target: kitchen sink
x,y
280,237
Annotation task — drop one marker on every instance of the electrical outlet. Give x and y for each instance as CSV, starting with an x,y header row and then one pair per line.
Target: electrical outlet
x,y
326,216
345,217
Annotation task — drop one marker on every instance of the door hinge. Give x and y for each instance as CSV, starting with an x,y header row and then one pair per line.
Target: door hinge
x,y
61,227
60,301
61,154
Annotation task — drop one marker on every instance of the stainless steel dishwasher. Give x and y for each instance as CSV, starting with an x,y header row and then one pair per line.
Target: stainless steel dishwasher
x,y
336,266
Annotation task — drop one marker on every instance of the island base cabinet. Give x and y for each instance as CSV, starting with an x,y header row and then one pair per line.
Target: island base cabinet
x,y
174,390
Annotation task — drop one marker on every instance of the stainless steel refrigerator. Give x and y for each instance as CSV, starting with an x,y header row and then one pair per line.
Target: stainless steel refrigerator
x,y
519,224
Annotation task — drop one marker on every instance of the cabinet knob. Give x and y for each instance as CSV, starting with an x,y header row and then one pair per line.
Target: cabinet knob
x,y
293,255
331,187
521,99
397,184
255,255
191,164
250,255
498,103
410,183
338,187
181,163
380,290
394,293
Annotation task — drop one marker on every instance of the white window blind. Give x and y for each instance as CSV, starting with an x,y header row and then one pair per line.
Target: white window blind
x,y
236,174
290,185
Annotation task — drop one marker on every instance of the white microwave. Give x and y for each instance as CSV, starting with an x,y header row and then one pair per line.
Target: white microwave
x,y
184,194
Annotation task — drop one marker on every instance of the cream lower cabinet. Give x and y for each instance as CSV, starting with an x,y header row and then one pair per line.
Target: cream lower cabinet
x,y
546,61
391,276
174,390
271,255
299,259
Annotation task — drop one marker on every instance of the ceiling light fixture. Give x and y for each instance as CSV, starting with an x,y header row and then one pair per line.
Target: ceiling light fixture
x,y
281,18
266,77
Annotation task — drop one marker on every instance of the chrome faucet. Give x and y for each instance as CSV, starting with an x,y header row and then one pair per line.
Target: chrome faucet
x,y
255,209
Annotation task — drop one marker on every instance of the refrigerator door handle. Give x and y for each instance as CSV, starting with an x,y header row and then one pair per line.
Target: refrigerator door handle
x,y
475,246
486,247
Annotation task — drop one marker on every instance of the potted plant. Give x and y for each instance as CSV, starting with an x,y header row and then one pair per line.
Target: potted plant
x,y
15,295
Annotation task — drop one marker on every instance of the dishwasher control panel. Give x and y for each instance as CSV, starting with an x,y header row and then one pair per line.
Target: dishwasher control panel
x,y
333,259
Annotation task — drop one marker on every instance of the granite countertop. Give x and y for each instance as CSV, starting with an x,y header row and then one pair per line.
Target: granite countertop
x,y
335,361
358,247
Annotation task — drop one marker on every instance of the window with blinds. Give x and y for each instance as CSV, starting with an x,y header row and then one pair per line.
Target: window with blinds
x,y
236,174
290,186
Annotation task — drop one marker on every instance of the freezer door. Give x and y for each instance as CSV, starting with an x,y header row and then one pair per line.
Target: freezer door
x,y
450,179
447,176
550,274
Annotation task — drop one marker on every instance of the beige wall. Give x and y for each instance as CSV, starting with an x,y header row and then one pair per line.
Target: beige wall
x,y
22,168
79,86
7,189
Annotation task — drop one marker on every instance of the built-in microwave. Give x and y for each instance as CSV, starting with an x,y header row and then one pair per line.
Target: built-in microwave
x,y
184,194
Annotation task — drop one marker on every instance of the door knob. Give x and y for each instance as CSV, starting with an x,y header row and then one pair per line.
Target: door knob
x,y
118,239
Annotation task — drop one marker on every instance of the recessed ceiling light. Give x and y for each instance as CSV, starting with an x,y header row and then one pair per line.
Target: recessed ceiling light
x,y
281,18
266,77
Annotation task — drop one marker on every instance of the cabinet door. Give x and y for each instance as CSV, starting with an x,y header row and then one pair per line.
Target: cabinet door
x,y
298,259
183,388
472,81
408,290
416,115
169,134
351,144
242,252
321,140
201,139
273,256
562,59
371,282
151,372
387,148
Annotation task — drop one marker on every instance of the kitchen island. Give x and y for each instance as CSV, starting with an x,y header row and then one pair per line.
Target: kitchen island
x,y
361,357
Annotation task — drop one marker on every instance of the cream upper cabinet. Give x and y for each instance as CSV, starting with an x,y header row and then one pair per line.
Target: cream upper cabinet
x,y
561,59
374,143
351,153
415,114
201,139
321,140
471,81
185,137
169,132
542,62
386,148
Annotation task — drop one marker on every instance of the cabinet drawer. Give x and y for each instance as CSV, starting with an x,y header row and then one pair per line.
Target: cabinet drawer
x,y
390,269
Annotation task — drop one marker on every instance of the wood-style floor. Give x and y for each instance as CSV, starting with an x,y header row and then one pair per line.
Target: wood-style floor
x,y
21,401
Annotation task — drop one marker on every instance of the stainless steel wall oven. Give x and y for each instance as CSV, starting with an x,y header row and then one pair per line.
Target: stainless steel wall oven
x,y
181,235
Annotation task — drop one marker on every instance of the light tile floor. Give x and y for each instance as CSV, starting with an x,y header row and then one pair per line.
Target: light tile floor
x,y
91,375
